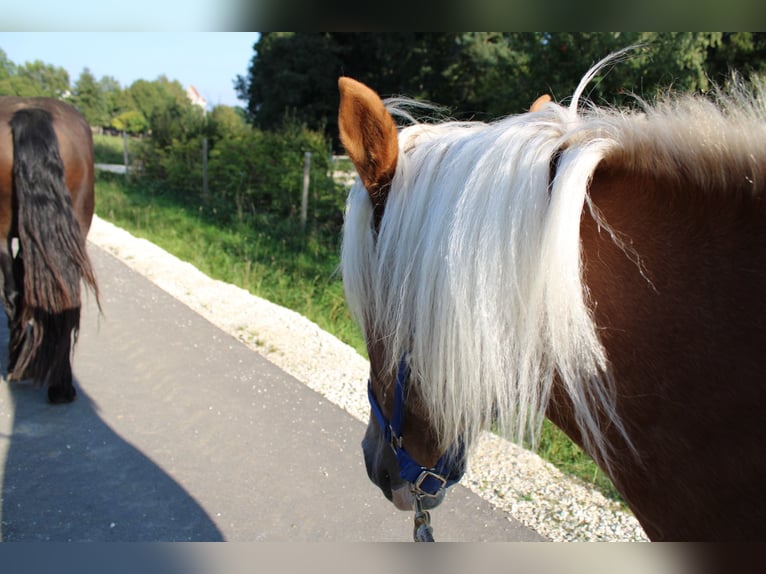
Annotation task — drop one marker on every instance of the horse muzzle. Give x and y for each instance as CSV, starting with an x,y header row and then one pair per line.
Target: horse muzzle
x,y
384,472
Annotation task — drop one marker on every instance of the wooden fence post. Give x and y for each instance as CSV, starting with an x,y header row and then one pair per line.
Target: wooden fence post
x,y
305,198
205,190
125,151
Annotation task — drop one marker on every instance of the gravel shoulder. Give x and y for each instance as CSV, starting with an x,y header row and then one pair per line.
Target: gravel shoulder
x,y
512,479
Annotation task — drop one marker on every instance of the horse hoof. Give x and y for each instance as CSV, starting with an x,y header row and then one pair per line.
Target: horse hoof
x,y
59,396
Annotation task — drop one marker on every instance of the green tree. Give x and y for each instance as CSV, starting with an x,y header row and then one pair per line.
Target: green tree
x,y
744,52
677,60
481,75
115,101
48,80
292,75
147,97
167,109
32,79
483,79
18,86
555,62
7,68
131,121
89,97
226,122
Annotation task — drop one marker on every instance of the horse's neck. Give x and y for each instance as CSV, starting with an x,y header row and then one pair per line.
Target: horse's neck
x,y
680,312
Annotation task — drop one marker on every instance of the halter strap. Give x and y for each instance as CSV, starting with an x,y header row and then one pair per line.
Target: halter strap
x,y
424,481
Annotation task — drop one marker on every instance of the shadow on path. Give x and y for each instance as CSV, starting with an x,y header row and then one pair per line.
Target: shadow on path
x,y
181,432
69,477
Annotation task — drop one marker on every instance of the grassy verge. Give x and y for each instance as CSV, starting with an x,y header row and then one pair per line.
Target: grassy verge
x,y
557,448
109,149
268,256
273,259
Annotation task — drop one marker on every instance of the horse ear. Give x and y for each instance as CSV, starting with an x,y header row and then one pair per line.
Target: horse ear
x,y
368,132
539,103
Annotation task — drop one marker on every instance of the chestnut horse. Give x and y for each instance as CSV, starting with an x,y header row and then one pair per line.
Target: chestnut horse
x,y
604,268
46,207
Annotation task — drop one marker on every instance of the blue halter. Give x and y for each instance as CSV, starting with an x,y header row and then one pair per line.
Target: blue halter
x,y
425,481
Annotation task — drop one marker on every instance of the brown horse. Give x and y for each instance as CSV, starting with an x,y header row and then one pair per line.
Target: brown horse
x,y
46,207
604,268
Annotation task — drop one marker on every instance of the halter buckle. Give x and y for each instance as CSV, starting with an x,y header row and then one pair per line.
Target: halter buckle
x,y
417,486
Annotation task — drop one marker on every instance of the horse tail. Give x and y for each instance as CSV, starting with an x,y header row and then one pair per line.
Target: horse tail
x,y
52,253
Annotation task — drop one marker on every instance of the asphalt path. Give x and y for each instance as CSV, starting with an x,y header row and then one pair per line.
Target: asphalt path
x,y
181,433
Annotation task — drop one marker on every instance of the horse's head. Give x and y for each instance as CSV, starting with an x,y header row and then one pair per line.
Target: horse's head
x,y
402,453
400,448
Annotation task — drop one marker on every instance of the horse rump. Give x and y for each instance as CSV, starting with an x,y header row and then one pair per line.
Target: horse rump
x,y
51,259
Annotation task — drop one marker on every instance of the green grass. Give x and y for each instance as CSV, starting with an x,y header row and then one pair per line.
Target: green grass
x,y
556,447
267,256
271,258
109,149
343,163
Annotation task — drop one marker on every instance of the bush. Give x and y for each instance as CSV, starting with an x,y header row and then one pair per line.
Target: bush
x,y
131,121
181,166
263,172
250,172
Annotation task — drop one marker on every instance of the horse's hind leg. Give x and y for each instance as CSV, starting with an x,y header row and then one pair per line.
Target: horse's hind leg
x,y
59,344
60,387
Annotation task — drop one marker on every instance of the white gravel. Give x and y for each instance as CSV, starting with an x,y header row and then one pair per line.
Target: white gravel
x,y
509,477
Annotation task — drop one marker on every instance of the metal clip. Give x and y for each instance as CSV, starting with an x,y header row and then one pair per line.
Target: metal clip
x,y
422,532
396,440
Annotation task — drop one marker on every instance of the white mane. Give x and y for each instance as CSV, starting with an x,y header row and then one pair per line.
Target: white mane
x,y
476,272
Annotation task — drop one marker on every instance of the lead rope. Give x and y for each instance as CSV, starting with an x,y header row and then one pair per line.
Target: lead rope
x,y
422,531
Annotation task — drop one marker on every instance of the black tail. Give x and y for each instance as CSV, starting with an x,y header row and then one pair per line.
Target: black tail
x,y
52,255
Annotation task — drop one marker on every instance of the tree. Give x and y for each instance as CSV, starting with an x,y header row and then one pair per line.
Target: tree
x,y
744,52
7,68
148,97
48,80
293,75
18,86
88,96
167,109
226,122
32,79
558,60
485,79
677,60
131,121
115,99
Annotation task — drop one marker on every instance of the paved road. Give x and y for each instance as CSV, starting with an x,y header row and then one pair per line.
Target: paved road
x,y
180,432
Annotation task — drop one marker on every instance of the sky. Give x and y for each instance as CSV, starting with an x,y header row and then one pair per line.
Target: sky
x,y
136,15
210,61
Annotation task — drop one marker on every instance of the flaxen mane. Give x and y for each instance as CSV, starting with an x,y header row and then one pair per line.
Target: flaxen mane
x,y
475,272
